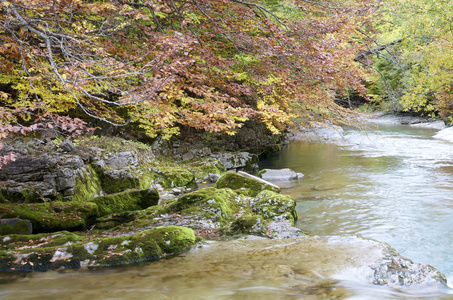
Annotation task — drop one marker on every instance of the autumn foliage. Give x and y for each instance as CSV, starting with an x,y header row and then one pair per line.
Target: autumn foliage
x,y
162,64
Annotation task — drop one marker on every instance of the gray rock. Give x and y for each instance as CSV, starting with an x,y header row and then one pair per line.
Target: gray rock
x,y
187,156
122,160
279,175
27,168
213,177
282,229
67,146
234,160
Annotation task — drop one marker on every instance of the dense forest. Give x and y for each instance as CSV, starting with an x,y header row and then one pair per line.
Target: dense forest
x,y
162,65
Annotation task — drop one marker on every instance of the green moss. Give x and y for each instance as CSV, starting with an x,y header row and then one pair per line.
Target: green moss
x,y
25,195
212,201
136,179
173,176
270,205
126,201
88,185
171,239
20,227
54,216
202,167
249,224
243,185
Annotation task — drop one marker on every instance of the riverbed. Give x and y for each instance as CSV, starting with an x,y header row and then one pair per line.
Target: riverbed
x,y
392,184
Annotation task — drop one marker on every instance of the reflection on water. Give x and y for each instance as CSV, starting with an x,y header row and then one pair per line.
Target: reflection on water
x,y
393,185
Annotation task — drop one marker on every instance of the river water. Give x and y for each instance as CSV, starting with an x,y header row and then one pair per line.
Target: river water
x,y
393,184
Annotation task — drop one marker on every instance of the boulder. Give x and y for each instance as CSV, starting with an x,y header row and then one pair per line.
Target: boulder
x,y
53,216
274,206
15,226
245,183
279,175
126,201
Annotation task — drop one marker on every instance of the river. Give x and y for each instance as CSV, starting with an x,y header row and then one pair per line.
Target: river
x,y
392,184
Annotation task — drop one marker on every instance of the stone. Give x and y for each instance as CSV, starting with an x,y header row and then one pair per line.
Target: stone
x,y
15,226
67,146
279,175
245,183
235,160
122,160
187,156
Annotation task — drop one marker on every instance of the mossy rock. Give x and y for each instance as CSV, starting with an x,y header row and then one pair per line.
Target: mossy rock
x,y
245,185
172,176
126,201
271,205
66,250
24,195
115,181
87,186
249,224
217,203
202,167
111,221
15,226
54,216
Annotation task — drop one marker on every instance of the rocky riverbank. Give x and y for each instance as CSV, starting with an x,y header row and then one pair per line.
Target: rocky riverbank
x,y
106,201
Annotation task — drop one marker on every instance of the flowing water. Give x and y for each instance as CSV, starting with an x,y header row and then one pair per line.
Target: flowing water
x,y
393,184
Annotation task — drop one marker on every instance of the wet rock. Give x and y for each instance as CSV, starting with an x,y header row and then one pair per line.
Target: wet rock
x,y
67,250
394,271
279,175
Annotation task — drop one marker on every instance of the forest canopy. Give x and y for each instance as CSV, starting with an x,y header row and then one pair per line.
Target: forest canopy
x,y
163,64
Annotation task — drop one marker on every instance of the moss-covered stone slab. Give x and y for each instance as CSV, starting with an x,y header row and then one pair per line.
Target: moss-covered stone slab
x,y
126,201
53,216
68,250
245,183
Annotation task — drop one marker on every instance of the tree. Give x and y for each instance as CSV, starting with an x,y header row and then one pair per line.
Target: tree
x,y
162,64
423,62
